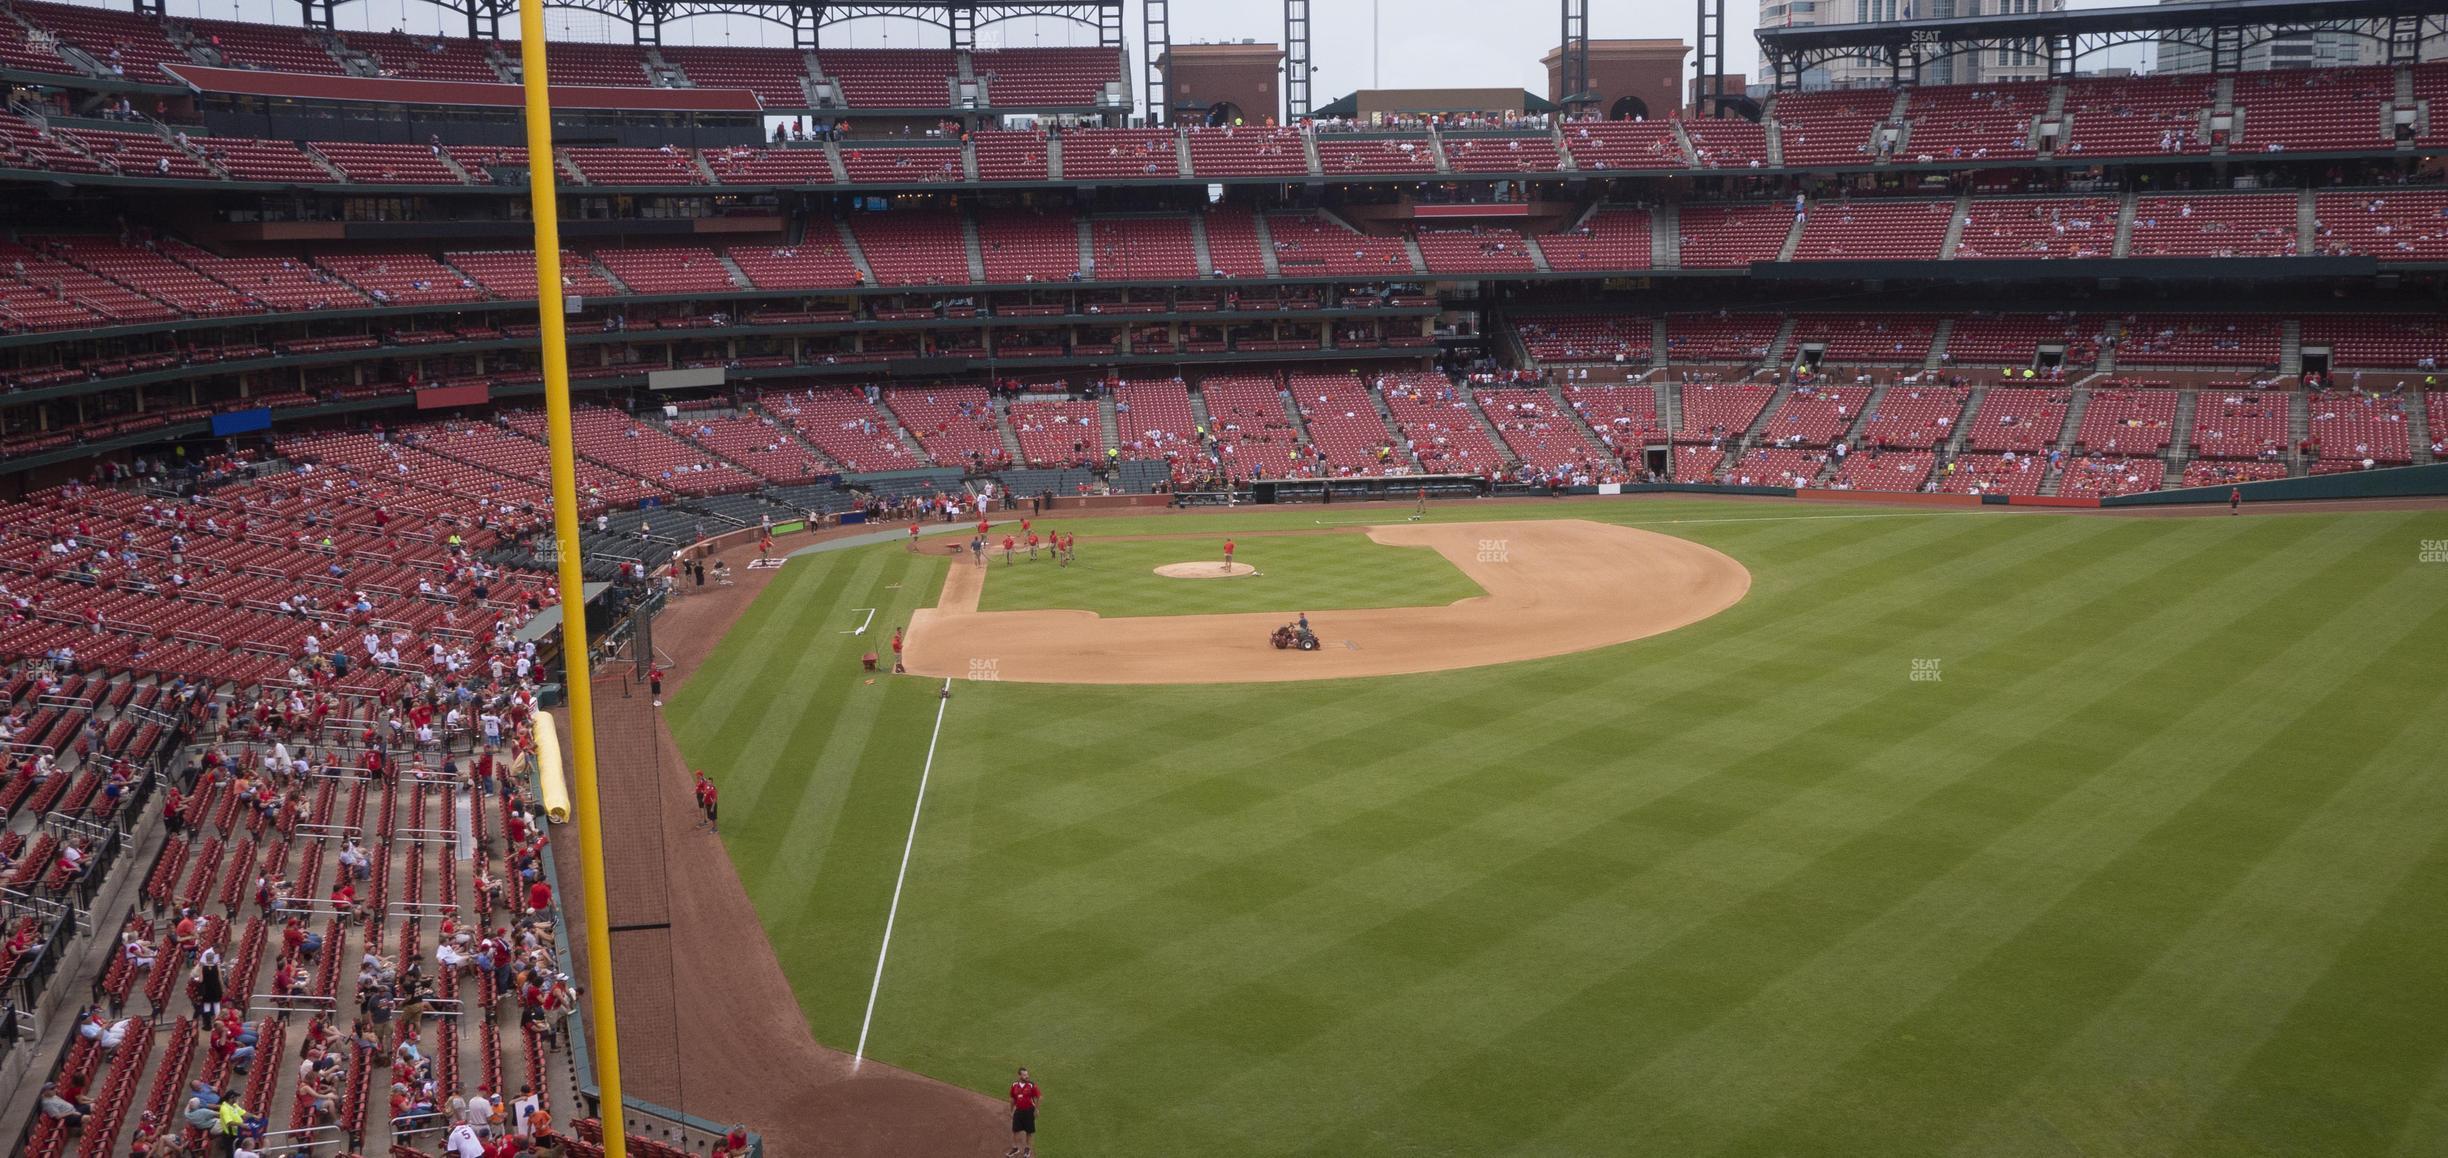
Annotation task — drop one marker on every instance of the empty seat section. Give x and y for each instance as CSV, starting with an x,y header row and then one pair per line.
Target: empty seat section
x,y
890,78
403,278
426,57
955,425
1610,239
1815,416
1883,470
1046,77
846,426
819,261
1250,428
2003,473
368,164
913,248
2099,476
1867,339
2018,419
147,271
1721,411
122,42
2240,424
280,283
2127,422
668,270
1144,248
510,274
1343,424
1020,246
1722,236
1154,419
2353,429
1541,435
246,159
138,154
747,165
665,166
263,47
1718,339
1307,245
1874,230
1728,143
1624,417
762,445
1776,466
1233,248
1440,424
1914,418
1476,249
1059,433
774,74
1004,155
2240,341
1566,338
2016,339
2311,109
2378,342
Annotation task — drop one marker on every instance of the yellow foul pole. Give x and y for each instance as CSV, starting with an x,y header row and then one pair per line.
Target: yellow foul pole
x,y
551,332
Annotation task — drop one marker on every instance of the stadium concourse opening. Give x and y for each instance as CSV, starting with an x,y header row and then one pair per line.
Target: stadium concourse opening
x,y
278,588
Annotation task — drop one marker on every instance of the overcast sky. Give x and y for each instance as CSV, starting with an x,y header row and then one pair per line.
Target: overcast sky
x,y
1357,43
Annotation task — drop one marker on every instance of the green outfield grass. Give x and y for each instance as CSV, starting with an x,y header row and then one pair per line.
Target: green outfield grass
x,y
1318,572
2154,865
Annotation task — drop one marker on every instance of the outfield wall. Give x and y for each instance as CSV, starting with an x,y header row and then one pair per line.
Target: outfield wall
x,y
2393,482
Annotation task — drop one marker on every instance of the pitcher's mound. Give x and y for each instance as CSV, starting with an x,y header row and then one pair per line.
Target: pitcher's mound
x,y
1206,570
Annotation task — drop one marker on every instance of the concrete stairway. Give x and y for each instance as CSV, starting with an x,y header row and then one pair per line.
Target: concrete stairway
x,y
850,245
1938,344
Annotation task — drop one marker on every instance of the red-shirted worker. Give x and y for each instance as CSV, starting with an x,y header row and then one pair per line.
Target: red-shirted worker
x,y
1024,1098
706,796
912,545
897,668
2235,500
539,897
654,682
1011,550
1228,550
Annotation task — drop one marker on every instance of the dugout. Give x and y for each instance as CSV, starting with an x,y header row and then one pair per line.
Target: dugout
x,y
1367,489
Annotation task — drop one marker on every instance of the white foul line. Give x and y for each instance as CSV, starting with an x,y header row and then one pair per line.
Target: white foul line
x,y
943,700
861,629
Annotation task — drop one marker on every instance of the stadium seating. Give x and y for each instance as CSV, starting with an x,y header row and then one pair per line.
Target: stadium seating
x,y
2218,473
1058,434
1245,151
1814,417
1866,339
1986,122
1565,338
1307,245
1349,437
1344,154
122,42
1830,128
1883,470
1609,239
2300,110
955,425
1009,156
511,274
846,426
1603,145
2242,225
404,278
1728,143
1697,339
1144,248
1540,435
900,165
1914,418
761,445
1510,153
372,164
776,75
2235,424
1720,236
2018,419
2098,476
913,248
1625,417
1233,247
1046,77
1769,466
263,47
1882,230
2345,427
446,58
2015,339
1476,249
890,78
2127,422
2005,473
1025,247
2398,225
2356,341
1154,419
1120,154
2038,228
2137,116
664,166
1721,411
2197,340
745,165
667,269
819,261
138,154
1440,425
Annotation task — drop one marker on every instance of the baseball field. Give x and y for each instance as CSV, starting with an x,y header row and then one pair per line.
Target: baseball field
x,y
1836,830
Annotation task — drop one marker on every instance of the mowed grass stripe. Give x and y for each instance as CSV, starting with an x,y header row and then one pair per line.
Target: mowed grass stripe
x,y
1344,839
1806,810
1252,917
2014,1006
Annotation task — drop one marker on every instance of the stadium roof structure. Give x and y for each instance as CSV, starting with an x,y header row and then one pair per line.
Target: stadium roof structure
x,y
960,19
2224,29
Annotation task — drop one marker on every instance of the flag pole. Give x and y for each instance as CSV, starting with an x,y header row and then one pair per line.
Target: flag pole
x,y
544,202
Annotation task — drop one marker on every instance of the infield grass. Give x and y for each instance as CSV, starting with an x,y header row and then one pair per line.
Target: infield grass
x,y
1326,572
2151,860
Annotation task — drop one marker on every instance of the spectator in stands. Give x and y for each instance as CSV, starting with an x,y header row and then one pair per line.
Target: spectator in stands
x,y
58,1105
